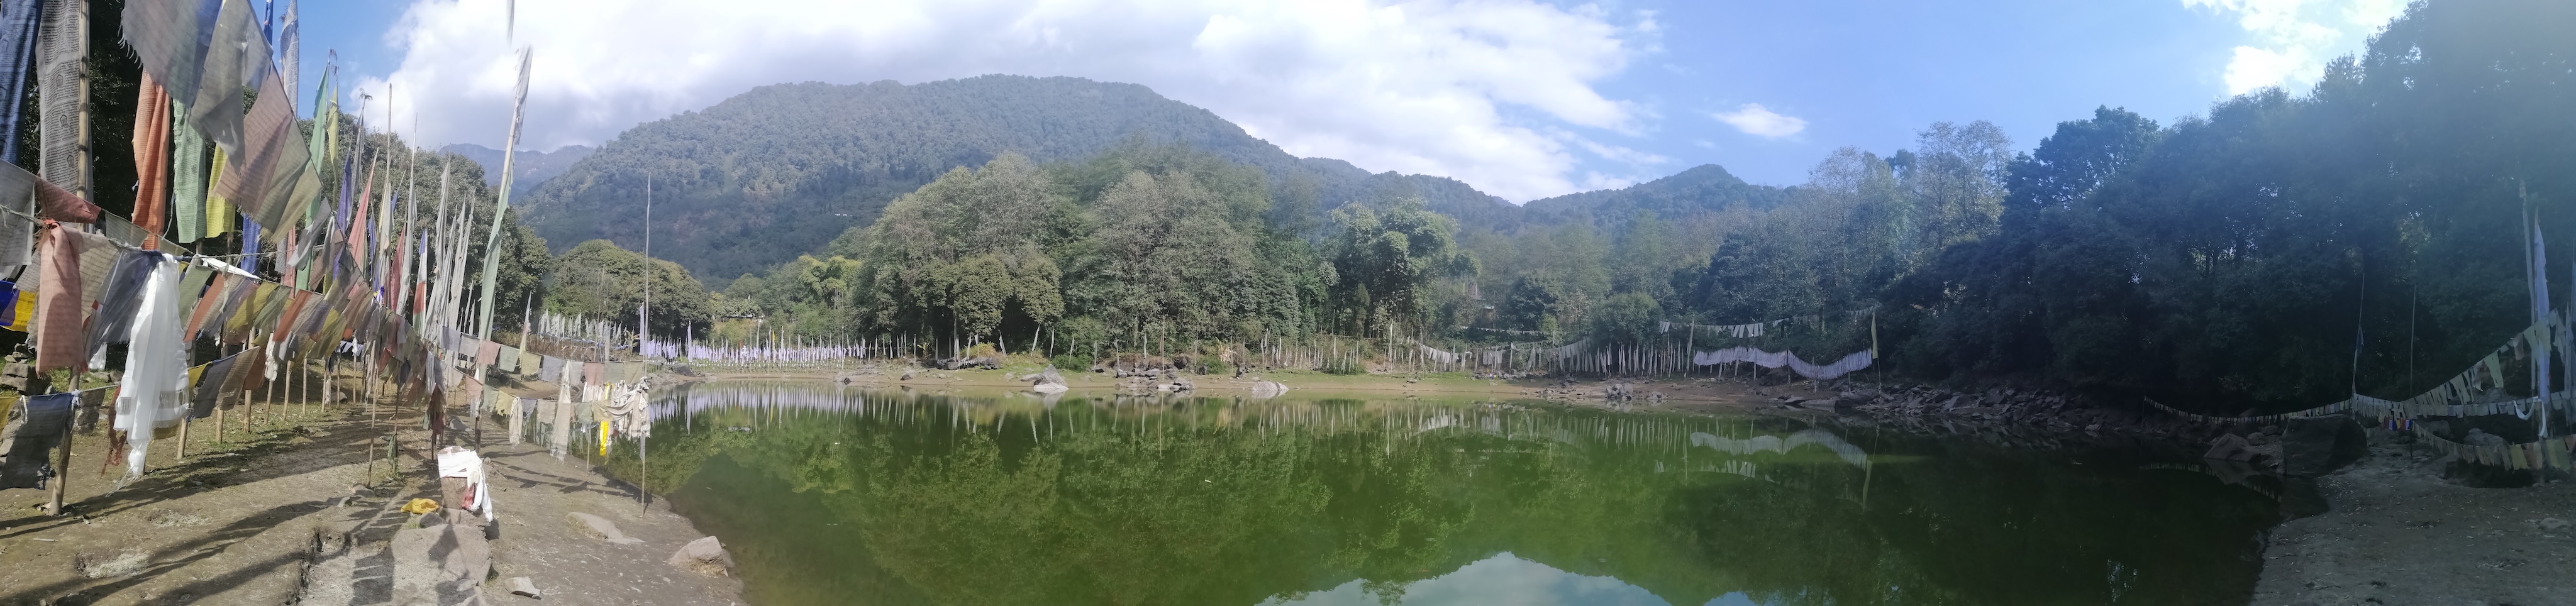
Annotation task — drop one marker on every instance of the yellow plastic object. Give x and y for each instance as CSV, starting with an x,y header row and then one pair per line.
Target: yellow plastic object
x,y
603,439
420,506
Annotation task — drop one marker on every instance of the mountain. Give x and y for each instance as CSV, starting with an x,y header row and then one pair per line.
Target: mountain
x,y
535,167
1707,187
780,170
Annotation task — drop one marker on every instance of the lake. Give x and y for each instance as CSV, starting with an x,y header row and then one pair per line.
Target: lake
x,y
834,495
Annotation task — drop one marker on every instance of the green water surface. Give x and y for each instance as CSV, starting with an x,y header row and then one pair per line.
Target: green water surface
x,y
832,495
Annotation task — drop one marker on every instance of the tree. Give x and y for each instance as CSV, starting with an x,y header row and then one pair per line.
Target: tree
x,y
959,254
597,279
1387,260
1626,318
1955,178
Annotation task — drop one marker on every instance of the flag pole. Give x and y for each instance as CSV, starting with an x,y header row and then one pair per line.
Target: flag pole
x,y
501,207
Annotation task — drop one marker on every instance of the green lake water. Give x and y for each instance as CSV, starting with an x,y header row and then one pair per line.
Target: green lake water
x,y
832,495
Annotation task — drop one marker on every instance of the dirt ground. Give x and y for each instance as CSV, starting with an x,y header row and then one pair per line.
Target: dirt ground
x,y
2397,533
227,525
535,493
242,521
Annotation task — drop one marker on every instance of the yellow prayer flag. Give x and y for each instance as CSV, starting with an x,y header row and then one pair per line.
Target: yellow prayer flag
x,y
23,311
219,212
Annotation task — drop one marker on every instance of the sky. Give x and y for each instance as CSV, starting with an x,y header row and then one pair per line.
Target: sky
x,y
1523,99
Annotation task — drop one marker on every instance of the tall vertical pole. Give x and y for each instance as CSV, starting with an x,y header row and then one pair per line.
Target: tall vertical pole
x,y
643,312
2539,267
67,24
2540,315
501,207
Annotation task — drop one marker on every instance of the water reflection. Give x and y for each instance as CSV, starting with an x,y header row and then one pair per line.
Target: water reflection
x,y
834,496
1502,580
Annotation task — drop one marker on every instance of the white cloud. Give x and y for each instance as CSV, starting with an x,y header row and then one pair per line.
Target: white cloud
x,y
1759,121
2293,39
1478,90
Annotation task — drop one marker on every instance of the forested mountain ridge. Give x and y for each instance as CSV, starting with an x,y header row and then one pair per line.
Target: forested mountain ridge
x,y
780,170
535,167
1704,188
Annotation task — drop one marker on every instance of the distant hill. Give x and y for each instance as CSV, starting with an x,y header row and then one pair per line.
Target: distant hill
x,y
780,170
1706,187
535,167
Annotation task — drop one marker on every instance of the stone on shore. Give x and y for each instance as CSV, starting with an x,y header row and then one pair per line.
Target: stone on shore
x,y
602,528
705,556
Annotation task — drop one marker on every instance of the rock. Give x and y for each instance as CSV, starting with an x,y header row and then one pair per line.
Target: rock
x,y
2552,524
2479,437
1045,377
2228,447
705,556
525,587
906,377
602,528
1849,399
1268,389
2315,446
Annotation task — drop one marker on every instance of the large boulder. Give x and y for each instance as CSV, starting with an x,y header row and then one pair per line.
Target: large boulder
x,y
2315,446
705,556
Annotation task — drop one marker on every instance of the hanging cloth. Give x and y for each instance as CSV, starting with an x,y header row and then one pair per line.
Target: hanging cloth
x,y
61,338
151,159
12,302
114,319
154,395
35,428
217,293
17,222
219,212
187,178
61,73
19,22
1776,359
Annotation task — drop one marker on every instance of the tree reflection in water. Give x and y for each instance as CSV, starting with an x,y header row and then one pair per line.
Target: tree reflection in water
x,y
832,495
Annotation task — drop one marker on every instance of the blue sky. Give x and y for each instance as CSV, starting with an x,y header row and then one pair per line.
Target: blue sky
x,y
1522,99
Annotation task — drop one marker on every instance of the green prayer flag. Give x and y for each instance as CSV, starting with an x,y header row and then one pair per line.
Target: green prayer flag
x,y
188,175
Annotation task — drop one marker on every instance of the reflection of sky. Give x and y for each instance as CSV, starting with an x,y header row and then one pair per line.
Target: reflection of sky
x,y
1503,580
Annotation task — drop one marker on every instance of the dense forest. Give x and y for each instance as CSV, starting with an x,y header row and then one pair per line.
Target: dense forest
x,y
2276,252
